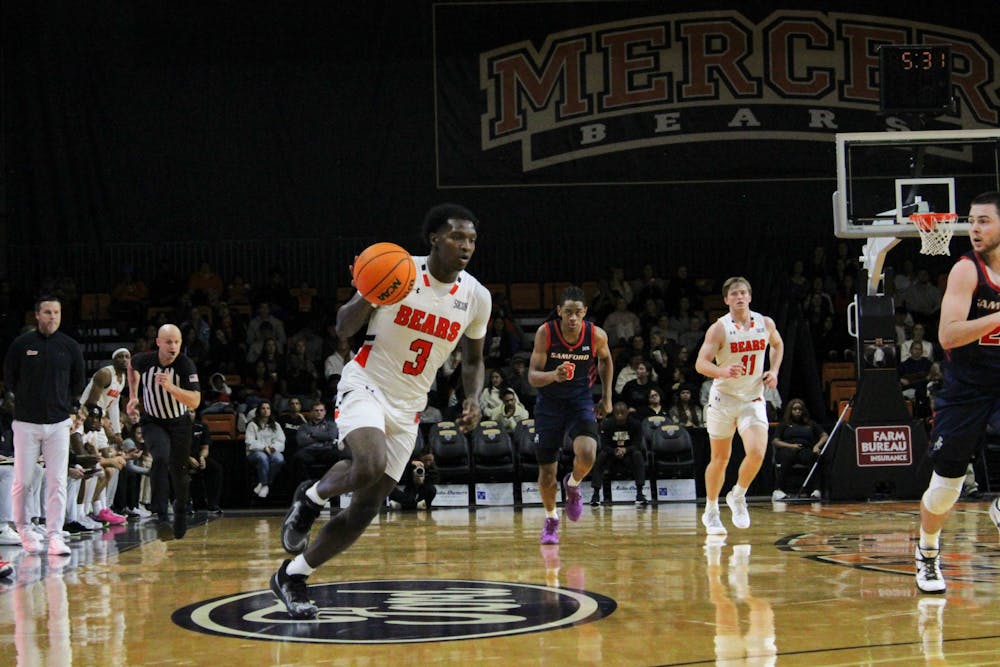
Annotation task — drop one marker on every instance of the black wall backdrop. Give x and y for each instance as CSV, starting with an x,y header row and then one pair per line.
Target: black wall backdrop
x,y
295,132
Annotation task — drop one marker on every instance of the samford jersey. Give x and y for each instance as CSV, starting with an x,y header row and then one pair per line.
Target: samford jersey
x,y
108,400
581,353
746,347
407,343
977,363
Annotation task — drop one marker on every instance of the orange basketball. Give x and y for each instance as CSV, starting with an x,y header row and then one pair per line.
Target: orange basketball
x,y
384,273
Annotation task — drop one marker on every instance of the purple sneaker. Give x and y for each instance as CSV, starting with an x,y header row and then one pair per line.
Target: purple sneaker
x,y
574,499
550,533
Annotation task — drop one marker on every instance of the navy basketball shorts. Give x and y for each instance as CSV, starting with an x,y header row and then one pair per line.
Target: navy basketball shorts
x,y
556,419
961,415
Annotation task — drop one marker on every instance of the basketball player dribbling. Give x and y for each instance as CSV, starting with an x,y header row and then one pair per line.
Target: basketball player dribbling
x,y
562,366
733,355
969,333
382,391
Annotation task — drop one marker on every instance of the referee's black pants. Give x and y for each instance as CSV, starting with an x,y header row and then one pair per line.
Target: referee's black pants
x,y
169,443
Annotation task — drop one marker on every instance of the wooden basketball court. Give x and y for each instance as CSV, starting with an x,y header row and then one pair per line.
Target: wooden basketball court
x,y
807,584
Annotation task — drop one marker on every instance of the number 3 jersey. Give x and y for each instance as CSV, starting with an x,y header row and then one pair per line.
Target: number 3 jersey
x,y
746,347
406,343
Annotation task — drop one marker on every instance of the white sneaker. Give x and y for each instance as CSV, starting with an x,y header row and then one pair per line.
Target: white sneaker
x,y
87,522
929,578
142,512
257,488
57,547
741,517
421,504
995,512
394,505
264,490
712,522
817,494
778,494
29,541
9,536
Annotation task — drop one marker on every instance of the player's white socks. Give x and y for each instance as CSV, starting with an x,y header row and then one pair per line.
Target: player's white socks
x,y
712,505
299,566
572,481
930,542
313,495
739,491
552,514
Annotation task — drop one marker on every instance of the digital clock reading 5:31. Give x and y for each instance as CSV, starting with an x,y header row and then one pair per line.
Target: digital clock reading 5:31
x,y
922,59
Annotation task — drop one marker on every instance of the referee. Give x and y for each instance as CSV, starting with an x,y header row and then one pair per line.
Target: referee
x,y
169,388
44,368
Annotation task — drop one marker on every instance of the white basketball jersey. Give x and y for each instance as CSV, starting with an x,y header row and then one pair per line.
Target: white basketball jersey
x,y
744,346
407,343
109,398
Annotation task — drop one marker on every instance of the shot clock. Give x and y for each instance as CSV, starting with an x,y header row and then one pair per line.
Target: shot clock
x,y
915,78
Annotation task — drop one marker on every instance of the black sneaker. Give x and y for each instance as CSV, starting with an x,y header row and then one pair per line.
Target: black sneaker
x,y
75,528
180,521
595,500
299,520
291,589
640,501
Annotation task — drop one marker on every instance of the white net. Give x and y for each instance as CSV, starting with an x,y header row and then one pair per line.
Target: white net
x,y
936,230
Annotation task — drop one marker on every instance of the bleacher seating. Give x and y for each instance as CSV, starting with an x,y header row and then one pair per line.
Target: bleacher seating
x,y
451,452
492,453
672,454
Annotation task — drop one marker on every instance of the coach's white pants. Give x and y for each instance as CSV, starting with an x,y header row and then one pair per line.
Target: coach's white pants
x,y
51,441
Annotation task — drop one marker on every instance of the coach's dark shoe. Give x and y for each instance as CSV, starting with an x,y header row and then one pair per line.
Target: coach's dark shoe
x,y
180,521
292,590
299,520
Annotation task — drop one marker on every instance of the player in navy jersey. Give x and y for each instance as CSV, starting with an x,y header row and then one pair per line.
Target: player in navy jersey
x,y
166,382
569,353
969,332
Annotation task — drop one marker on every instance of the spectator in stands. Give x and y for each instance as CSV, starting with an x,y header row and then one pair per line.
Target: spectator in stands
x,y
844,294
518,381
197,323
903,278
636,346
831,342
204,285
510,413
334,364
654,405
500,345
691,339
923,298
260,385
166,286
620,287
195,348
797,439
603,302
228,351
663,329
680,286
648,287
265,443
685,411
660,357
919,331
635,392
621,447
680,321
292,419
304,298
206,472
622,324
317,445
914,374
628,371
129,298
650,316
490,398
300,374
798,282
277,328
416,489
271,355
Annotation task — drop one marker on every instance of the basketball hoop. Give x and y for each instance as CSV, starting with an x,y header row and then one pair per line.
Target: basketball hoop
x,y
935,231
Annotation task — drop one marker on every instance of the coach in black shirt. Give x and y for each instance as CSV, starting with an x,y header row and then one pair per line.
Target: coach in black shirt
x,y
166,383
44,369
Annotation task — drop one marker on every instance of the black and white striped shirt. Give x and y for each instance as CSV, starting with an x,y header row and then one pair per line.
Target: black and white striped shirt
x,y
157,403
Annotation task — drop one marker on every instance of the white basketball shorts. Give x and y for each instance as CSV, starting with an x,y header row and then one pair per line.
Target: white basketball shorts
x,y
726,414
366,406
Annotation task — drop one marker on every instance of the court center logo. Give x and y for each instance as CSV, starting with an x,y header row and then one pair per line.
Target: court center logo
x,y
399,611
